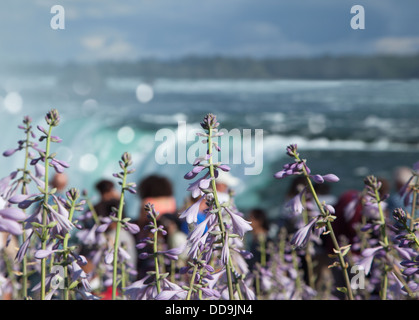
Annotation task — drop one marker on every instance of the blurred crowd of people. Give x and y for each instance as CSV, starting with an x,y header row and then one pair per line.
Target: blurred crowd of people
x,y
158,190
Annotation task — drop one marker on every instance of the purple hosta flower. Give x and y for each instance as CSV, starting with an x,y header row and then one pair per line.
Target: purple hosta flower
x,y
125,256
370,209
64,225
223,167
400,216
191,214
199,230
369,255
177,294
413,286
154,229
56,139
405,235
24,248
131,227
210,293
106,222
194,172
13,214
10,226
197,245
290,169
10,152
373,185
331,178
39,182
302,236
266,278
172,254
59,165
77,273
225,252
25,201
328,208
9,218
295,204
53,118
292,150
238,256
317,178
240,225
198,239
210,121
109,256
214,279
248,292
138,289
198,160
171,291
196,187
87,295
411,266
4,185
42,254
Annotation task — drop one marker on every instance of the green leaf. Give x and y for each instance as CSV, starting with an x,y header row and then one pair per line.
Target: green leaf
x,y
164,275
73,285
342,289
36,224
52,224
345,250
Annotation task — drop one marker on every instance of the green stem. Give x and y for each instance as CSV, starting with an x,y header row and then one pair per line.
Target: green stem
x,y
309,261
117,232
384,237
412,234
93,211
257,284
402,280
195,269
25,191
295,265
239,292
220,217
65,246
414,200
123,275
332,234
44,235
262,243
156,257
282,239
172,270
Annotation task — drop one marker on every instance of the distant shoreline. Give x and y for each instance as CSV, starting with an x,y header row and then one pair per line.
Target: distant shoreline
x,y
219,67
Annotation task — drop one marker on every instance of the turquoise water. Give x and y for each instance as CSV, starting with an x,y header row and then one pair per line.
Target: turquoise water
x,y
351,128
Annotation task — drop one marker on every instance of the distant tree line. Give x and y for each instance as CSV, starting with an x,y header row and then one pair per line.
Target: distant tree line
x,y
218,67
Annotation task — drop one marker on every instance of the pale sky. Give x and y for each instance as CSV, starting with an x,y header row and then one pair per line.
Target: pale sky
x,y
133,29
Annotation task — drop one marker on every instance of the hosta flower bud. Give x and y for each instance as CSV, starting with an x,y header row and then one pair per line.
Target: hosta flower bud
x,y
53,118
